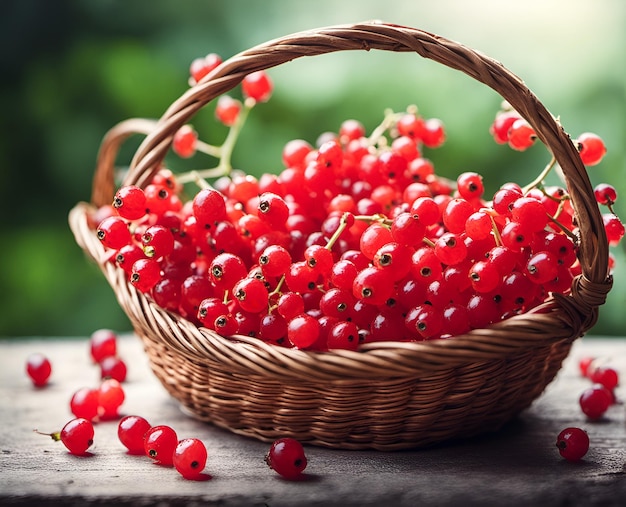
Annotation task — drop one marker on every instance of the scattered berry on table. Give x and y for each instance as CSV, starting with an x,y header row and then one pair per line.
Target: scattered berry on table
x,y
287,458
39,369
131,431
160,443
573,443
190,458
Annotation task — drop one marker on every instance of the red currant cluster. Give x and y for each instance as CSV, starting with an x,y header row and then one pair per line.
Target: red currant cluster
x,y
160,443
355,240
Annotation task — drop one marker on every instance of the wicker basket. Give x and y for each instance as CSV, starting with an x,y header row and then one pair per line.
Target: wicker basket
x,y
388,395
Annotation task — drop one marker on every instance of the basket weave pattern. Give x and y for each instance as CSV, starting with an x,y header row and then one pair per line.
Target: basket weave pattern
x,y
388,395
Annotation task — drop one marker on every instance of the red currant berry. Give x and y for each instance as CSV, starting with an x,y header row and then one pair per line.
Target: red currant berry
x,y
208,207
226,270
39,369
227,110
145,274
102,343
433,134
130,202
273,210
300,278
113,367
595,401
113,232
456,213
110,397
591,148
605,376
572,443
394,259
343,335
411,125
408,229
614,228
426,320
189,458
160,443
295,152
531,212
501,125
158,241
541,268
605,194
373,286
185,141
85,403
478,225
303,331
330,155
450,249
128,255
286,457
273,328
319,259
258,86
485,276
470,185
251,295
200,67
77,435
521,135
351,130
290,305
374,237
131,432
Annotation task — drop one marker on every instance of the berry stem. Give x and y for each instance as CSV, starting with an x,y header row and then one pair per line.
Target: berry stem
x,y
380,218
223,153
198,179
56,436
343,223
496,232
388,121
569,233
539,179
233,135
209,149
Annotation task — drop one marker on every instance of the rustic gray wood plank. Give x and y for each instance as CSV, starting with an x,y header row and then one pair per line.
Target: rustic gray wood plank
x,y
517,466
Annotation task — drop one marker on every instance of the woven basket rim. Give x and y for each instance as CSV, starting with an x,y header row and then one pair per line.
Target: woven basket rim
x,y
559,318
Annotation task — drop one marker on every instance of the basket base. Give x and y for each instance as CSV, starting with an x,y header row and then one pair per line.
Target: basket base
x,y
389,414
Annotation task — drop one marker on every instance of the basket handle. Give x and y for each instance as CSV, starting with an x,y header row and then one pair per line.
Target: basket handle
x,y
389,37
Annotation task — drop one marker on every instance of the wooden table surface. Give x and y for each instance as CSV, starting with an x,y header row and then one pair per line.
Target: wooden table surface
x,y
518,465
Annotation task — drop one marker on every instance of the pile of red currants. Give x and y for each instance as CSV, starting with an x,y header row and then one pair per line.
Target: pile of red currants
x,y
356,240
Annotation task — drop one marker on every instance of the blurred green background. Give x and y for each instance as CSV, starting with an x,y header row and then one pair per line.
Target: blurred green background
x,y
71,69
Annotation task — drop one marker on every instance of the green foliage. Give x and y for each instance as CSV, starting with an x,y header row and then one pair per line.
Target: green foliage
x,y
80,67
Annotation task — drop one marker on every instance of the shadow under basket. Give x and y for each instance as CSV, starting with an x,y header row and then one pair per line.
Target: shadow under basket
x,y
387,395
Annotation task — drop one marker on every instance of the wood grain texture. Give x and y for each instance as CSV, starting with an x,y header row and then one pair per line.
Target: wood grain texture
x,y
519,465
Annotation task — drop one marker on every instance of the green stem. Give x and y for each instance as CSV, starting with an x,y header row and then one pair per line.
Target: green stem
x,y
388,121
209,149
541,177
343,223
569,233
223,153
231,138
